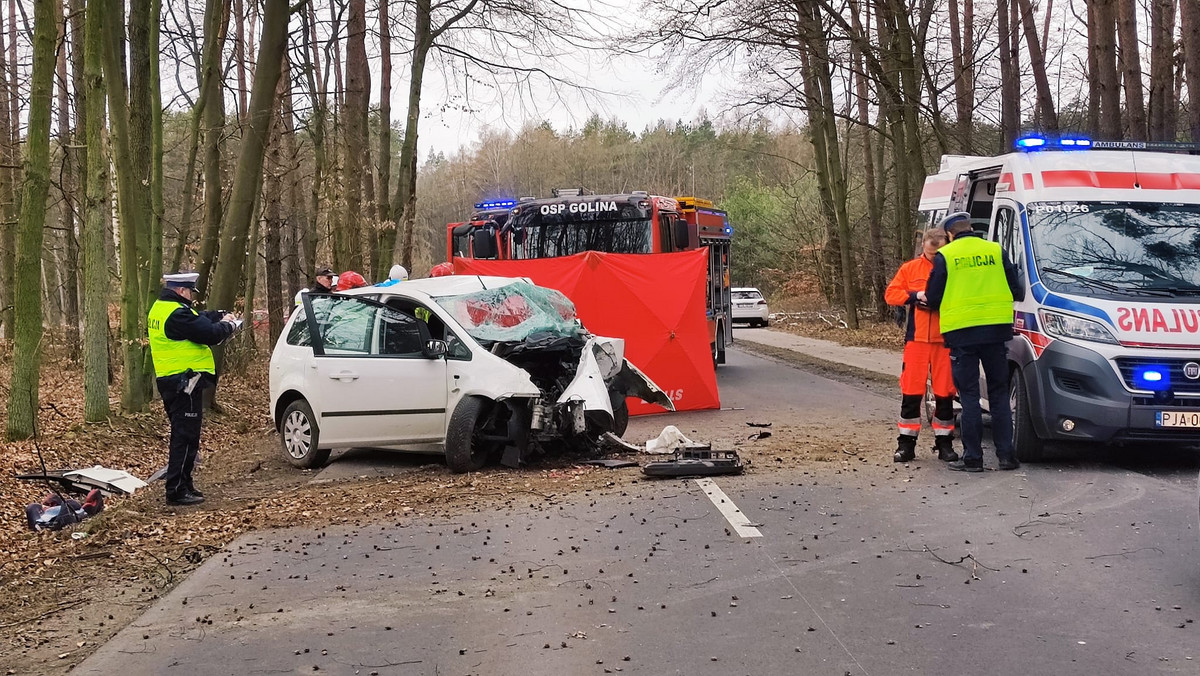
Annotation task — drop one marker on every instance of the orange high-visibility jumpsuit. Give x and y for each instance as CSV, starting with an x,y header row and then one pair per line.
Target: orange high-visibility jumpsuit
x,y
925,355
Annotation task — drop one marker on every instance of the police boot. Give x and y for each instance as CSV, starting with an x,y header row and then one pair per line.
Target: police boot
x,y
944,445
906,448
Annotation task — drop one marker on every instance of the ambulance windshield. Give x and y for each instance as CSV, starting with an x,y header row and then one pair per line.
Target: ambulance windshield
x,y
1117,248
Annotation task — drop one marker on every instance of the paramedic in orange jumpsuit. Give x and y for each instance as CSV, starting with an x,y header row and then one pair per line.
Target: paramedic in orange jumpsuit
x,y
924,355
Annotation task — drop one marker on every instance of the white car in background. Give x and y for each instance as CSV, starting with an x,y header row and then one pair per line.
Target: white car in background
x,y
487,368
749,306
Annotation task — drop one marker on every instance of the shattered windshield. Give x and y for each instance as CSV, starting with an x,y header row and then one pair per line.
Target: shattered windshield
x,y
513,312
1117,248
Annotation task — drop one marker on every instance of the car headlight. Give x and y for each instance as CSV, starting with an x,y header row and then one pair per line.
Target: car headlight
x,y
1068,326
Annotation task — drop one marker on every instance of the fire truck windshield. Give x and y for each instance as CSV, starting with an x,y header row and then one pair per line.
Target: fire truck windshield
x,y
1117,248
549,236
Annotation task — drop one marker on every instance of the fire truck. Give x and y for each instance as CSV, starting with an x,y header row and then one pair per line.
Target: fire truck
x,y
571,222
1105,236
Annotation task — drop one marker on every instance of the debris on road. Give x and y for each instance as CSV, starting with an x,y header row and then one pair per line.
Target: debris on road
x,y
109,481
669,440
696,462
610,463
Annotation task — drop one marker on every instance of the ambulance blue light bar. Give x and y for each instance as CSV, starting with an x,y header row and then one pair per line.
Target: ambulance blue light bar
x,y
497,204
1035,142
1153,377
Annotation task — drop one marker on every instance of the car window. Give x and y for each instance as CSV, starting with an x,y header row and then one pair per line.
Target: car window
x,y
399,333
346,324
746,295
455,347
299,334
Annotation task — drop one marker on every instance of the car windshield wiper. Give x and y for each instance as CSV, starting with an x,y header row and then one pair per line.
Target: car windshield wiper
x,y
1109,286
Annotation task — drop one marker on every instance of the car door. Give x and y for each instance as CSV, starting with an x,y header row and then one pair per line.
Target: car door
x,y
375,384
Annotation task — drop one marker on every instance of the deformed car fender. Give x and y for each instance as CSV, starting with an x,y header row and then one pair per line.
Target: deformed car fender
x,y
487,375
603,369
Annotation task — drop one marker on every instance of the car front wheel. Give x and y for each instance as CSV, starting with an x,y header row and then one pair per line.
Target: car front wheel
x,y
468,447
299,435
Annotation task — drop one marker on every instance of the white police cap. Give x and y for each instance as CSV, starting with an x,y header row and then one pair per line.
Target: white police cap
x,y
187,279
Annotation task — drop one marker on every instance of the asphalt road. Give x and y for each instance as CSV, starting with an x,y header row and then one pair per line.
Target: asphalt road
x,y
1083,566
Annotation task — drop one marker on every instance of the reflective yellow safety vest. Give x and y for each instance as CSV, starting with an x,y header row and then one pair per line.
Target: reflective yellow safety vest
x,y
175,356
977,292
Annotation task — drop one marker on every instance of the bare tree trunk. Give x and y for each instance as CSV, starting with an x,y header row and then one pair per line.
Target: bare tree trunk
x,y
1037,63
248,175
132,209
1131,69
355,121
70,204
964,106
27,328
1093,72
272,215
96,217
8,221
404,202
216,23
1162,70
386,238
1108,85
1189,20
317,132
239,56
297,223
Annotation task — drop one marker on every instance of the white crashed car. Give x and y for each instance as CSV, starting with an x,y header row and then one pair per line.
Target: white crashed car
x,y
749,306
484,367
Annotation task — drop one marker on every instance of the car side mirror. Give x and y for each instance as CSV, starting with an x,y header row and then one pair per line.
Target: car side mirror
x,y
435,349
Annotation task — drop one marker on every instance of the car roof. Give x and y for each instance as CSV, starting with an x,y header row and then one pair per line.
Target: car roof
x,y
744,288
434,287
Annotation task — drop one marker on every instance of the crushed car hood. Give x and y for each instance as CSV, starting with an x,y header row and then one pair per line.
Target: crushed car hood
x,y
537,329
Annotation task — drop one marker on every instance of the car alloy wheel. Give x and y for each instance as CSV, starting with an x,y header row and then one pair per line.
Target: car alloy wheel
x,y
297,435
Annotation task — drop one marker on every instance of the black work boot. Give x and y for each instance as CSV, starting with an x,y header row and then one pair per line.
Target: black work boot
x,y
906,448
944,445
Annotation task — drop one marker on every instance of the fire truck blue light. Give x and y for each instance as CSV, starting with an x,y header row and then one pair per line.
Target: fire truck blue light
x,y
497,204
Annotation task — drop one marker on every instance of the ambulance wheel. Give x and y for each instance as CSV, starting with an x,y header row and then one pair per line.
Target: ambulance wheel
x,y
1029,446
621,418
299,435
719,349
469,443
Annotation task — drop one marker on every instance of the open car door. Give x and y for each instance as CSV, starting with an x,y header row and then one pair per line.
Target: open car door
x,y
378,377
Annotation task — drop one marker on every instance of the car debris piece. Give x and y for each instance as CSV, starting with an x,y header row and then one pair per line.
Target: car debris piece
x,y
109,481
610,463
669,440
759,435
617,443
696,462
758,424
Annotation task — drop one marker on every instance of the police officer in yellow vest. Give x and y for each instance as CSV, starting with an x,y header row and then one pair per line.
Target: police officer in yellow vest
x,y
183,364
973,286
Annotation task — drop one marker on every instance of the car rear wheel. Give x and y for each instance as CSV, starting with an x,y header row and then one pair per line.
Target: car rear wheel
x,y
299,436
467,447
1029,446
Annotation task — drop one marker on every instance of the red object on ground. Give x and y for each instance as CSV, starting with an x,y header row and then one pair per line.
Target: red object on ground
x,y
656,302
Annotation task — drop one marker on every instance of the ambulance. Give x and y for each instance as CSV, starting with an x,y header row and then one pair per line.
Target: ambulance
x,y
1106,239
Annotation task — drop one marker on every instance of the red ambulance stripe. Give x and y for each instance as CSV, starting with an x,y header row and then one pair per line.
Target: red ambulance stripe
x,y
1120,180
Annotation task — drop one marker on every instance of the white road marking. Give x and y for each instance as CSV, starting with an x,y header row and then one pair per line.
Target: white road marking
x,y
727,509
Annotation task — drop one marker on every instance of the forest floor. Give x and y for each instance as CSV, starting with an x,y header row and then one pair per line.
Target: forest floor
x,y
63,594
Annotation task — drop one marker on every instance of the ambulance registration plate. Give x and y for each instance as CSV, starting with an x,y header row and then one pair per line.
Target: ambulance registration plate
x,y
1177,419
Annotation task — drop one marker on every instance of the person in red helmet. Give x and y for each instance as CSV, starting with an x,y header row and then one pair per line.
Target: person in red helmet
x,y
442,270
350,280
